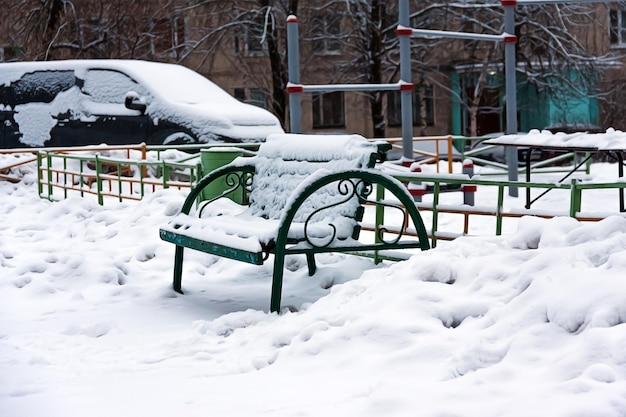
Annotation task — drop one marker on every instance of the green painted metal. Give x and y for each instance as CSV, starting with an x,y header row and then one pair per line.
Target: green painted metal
x,y
499,210
575,199
119,182
575,189
282,247
255,258
81,169
99,180
189,202
49,166
379,219
39,173
66,175
436,192
372,177
212,159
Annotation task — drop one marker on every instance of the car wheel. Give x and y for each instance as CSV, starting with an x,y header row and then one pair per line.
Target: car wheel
x,y
179,138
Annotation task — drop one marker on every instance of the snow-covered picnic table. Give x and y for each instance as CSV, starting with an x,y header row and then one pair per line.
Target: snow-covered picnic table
x,y
611,143
611,140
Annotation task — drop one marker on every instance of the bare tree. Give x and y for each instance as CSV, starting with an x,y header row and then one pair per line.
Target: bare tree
x,y
141,29
250,35
556,53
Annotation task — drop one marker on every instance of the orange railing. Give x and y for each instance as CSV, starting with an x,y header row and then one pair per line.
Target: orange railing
x,y
430,149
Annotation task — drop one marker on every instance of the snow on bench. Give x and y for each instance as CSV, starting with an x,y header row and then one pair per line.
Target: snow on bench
x,y
306,195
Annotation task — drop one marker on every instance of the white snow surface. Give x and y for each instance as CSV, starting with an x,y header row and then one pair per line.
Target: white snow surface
x,y
527,324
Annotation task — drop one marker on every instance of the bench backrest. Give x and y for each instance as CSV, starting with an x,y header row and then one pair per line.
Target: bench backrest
x,y
284,161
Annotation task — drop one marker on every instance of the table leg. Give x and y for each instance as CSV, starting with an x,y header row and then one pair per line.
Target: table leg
x,y
528,157
620,170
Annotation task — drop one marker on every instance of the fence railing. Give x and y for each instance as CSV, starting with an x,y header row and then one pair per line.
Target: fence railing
x,y
575,189
60,174
85,171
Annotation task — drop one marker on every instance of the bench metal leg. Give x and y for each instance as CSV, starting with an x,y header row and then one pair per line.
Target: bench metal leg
x,y
178,269
310,262
277,281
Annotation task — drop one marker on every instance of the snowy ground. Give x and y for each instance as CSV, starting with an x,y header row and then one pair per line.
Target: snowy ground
x,y
527,324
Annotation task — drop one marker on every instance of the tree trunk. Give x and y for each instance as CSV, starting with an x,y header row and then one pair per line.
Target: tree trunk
x,y
473,120
277,64
375,69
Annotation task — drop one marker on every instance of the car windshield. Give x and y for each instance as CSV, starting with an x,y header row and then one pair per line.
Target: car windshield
x,y
182,85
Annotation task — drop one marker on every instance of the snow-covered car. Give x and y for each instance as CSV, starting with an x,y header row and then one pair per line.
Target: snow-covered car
x,y
85,102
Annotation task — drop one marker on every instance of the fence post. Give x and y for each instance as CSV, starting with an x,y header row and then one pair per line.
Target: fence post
x,y
499,209
120,186
575,198
436,189
469,190
81,169
166,175
64,177
49,175
99,180
380,218
39,185
416,188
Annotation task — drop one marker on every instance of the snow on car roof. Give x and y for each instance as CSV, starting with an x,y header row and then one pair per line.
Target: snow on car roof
x,y
179,94
173,81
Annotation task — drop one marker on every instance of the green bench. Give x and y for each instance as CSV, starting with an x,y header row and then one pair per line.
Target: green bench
x,y
304,194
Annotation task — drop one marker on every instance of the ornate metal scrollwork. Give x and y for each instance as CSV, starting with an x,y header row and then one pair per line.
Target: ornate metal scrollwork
x,y
234,181
380,231
347,188
362,190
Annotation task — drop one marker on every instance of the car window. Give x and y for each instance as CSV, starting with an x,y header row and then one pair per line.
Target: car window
x,y
107,86
40,86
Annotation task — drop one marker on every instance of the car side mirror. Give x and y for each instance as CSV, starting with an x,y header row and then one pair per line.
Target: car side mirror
x,y
134,101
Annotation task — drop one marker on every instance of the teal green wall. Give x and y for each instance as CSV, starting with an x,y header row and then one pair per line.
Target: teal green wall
x,y
536,110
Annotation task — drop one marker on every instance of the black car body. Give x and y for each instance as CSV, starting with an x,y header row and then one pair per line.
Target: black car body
x,y
87,102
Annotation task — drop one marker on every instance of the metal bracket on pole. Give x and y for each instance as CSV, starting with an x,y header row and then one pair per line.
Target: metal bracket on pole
x,y
293,60
406,95
511,93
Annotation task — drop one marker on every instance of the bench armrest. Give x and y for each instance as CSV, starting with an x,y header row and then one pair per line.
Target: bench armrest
x,y
236,175
358,183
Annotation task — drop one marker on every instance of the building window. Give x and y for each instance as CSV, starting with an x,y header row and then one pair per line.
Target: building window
x,y
423,107
327,34
617,34
255,96
249,39
328,110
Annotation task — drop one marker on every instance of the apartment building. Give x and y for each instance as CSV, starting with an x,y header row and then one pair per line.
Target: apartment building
x,y
458,84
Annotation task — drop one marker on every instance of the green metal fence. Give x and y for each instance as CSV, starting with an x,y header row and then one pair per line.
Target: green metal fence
x,y
84,171
61,174
575,188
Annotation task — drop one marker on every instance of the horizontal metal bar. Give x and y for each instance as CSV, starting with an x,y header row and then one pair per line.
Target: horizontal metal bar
x,y
327,88
427,33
